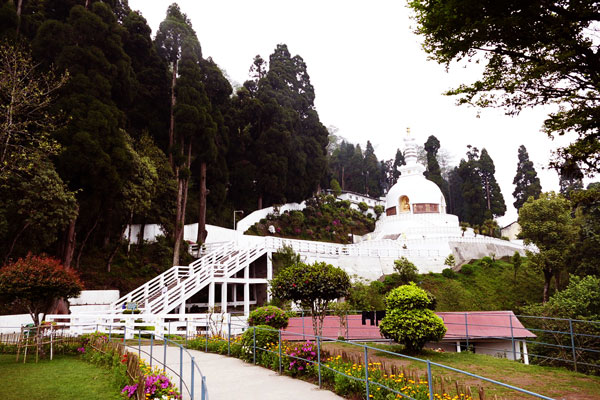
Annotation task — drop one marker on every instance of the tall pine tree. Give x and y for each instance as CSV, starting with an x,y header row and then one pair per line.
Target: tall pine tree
x,y
526,180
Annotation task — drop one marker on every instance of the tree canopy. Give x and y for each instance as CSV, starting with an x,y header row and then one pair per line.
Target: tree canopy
x,y
36,282
533,53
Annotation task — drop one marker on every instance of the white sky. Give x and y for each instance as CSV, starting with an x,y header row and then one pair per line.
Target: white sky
x,y
371,77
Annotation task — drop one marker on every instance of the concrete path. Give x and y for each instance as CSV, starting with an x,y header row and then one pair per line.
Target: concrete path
x,y
229,378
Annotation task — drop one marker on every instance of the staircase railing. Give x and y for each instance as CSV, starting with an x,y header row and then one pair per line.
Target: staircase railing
x,y
154,287
202,274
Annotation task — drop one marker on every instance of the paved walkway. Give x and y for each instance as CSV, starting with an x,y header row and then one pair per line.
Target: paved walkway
x,y
230,378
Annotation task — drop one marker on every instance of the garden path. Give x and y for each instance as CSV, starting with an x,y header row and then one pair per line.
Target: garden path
x,y
229,378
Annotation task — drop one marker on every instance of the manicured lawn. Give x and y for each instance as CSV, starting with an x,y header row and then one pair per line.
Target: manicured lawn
x,y
64,378
557,383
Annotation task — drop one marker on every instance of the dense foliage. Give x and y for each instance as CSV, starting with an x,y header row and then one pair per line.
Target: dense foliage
x,y
409,318
324,219
547,222
312,286
579,301
36,283
534,52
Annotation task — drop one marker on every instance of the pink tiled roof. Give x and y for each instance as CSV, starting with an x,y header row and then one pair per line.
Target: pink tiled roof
x,y
481,324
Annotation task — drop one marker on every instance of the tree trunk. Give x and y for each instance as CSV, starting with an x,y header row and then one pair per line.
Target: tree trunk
x,y
12,246
84,242
129,233
19,7
547,280
202,205
186,185
69,243
343,178
172,116
112,254
487,191
260,201
141,234
178,230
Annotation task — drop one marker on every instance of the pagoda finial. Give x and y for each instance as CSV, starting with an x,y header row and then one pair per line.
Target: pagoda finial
x,y
408,131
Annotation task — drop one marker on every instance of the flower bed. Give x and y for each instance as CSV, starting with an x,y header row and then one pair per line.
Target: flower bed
x,y
344,377
133,375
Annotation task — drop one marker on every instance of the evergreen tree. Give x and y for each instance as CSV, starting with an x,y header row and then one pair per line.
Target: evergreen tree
x,y
526,180
373,171
174,39
455,198
398,162
493,196
433,172
570,178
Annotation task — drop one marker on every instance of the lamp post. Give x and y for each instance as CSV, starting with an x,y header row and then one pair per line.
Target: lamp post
x,y
235,212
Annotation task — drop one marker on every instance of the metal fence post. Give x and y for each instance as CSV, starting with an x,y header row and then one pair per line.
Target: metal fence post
x,y
192,382
181,368
573,344
319,359
429,380
165,354
280,352
206,338
151,347
229,335
366,371
204,389
467,331
186,331
302,324
512,338
109,332
254,344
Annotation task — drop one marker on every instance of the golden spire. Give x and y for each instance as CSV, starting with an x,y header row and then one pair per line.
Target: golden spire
x,y
407,131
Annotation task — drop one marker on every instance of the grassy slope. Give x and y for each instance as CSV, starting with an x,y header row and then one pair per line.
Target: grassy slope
x,y
64,378
487,288
558,383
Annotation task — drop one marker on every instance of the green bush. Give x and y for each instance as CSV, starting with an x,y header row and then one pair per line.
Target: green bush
x,y
409,319
270,315
264,336
487,262
448,273
467,269
407,271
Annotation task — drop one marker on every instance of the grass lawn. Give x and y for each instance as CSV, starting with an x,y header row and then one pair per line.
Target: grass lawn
x,y
64,378
558,383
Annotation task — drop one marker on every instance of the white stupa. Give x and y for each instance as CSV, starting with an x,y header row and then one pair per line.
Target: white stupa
x,y
415,207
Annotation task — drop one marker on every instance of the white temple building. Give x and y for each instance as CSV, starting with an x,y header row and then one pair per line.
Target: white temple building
x,y
233,269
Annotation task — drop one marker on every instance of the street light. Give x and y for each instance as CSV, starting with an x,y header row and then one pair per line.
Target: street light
x,y
235,212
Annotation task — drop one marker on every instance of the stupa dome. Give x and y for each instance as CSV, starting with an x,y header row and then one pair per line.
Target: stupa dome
x,y
413,193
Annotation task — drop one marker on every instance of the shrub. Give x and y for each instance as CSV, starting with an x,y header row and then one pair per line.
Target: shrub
x,y
409,319
264,336
408,271
448,273
487,261
270,315
450,261
467,269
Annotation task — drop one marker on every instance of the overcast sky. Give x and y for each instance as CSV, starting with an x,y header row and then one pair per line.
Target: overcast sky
x,y
371,77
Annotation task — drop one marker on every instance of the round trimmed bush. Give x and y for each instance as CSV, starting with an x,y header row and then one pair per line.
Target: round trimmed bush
x,y
409,319
269,315
467,269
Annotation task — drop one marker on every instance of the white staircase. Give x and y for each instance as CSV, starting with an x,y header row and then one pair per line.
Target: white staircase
x,y
181,283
